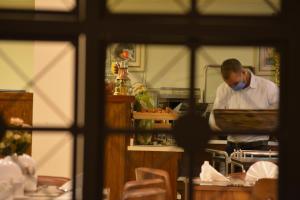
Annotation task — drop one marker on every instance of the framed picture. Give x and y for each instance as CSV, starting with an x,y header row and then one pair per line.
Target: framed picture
x,y
136,55
266,60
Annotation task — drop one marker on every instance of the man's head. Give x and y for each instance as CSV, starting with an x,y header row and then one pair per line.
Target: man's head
x,y
234,74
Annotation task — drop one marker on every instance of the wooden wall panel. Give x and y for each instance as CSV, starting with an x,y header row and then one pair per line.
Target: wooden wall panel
x,y
17,104
118,115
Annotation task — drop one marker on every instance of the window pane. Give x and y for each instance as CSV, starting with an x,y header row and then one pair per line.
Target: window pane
x,y
239,7
150,6
54,5
45,70
16,4
51,148
184,142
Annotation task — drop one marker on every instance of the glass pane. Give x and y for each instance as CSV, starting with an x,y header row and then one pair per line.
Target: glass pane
x,y
186,142
54,5
156,74
51,148
44,70
150,6
17,4
239,7
37,90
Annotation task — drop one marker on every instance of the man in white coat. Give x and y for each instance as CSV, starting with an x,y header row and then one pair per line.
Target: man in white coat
x,y
241,89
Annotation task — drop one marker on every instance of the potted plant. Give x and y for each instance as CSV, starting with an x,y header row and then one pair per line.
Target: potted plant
x,y
15,141
143,101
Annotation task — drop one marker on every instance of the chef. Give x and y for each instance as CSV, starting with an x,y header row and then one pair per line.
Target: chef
x,y
241,89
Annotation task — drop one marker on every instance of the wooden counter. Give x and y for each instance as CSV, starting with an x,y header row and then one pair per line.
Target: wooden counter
x,y
156,148
17,104
209,192
118,115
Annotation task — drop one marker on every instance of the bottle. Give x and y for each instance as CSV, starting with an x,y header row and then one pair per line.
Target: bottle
x,y
131,143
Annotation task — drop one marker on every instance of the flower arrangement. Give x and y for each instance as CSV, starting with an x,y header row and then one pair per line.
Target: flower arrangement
x,y
15,141
142,97
143,101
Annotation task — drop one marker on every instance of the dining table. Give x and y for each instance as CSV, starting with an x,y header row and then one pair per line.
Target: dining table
x,y
235,190
55,188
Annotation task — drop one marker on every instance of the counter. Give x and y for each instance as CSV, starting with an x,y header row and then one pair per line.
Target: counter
x,y
162,148
155,148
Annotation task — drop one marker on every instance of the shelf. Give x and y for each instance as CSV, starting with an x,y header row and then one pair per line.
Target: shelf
x,y
155,116
160,148
162,126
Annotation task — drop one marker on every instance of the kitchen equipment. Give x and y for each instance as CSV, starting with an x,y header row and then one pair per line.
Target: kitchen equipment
x,y
245,158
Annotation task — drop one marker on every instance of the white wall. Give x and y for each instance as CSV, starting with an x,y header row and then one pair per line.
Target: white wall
x,y
61,5
238,7
27,4
53,150
159,73
21,55
165,66
153,6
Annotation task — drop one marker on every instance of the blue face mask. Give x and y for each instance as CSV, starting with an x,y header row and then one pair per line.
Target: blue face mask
x,y
239,86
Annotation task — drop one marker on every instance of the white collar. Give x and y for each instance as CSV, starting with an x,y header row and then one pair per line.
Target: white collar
x,y
253,82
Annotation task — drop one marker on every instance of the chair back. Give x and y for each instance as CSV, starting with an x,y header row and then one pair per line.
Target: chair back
x,y
143,173
145,194
147,183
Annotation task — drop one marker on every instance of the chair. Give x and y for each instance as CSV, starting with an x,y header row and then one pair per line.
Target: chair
x,y
52,180
145,194
147,183
143,173
265,189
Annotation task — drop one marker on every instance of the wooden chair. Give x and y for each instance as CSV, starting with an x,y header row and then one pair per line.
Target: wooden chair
x,y
145,194
147,183
52,180
265,189
143,173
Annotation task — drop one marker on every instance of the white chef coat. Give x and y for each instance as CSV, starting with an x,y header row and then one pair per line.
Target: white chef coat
x,y
260,94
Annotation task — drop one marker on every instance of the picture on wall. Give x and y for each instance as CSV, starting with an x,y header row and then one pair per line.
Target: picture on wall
x,y
134,52
266,59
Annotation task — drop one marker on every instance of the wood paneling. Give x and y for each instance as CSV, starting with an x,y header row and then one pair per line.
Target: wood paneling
x,y
17,104
118,115
221,193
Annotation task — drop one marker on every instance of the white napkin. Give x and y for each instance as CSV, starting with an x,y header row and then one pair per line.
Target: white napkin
x,y
27,166
6,190
261,169
210,174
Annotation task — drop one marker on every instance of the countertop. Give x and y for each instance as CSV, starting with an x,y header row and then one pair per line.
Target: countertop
x,y
162,148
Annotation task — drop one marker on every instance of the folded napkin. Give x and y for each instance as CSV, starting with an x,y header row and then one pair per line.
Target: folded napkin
x,y
261,169
210,174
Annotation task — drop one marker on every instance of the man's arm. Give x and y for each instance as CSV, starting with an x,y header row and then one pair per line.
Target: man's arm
x,y
219,103
273,96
